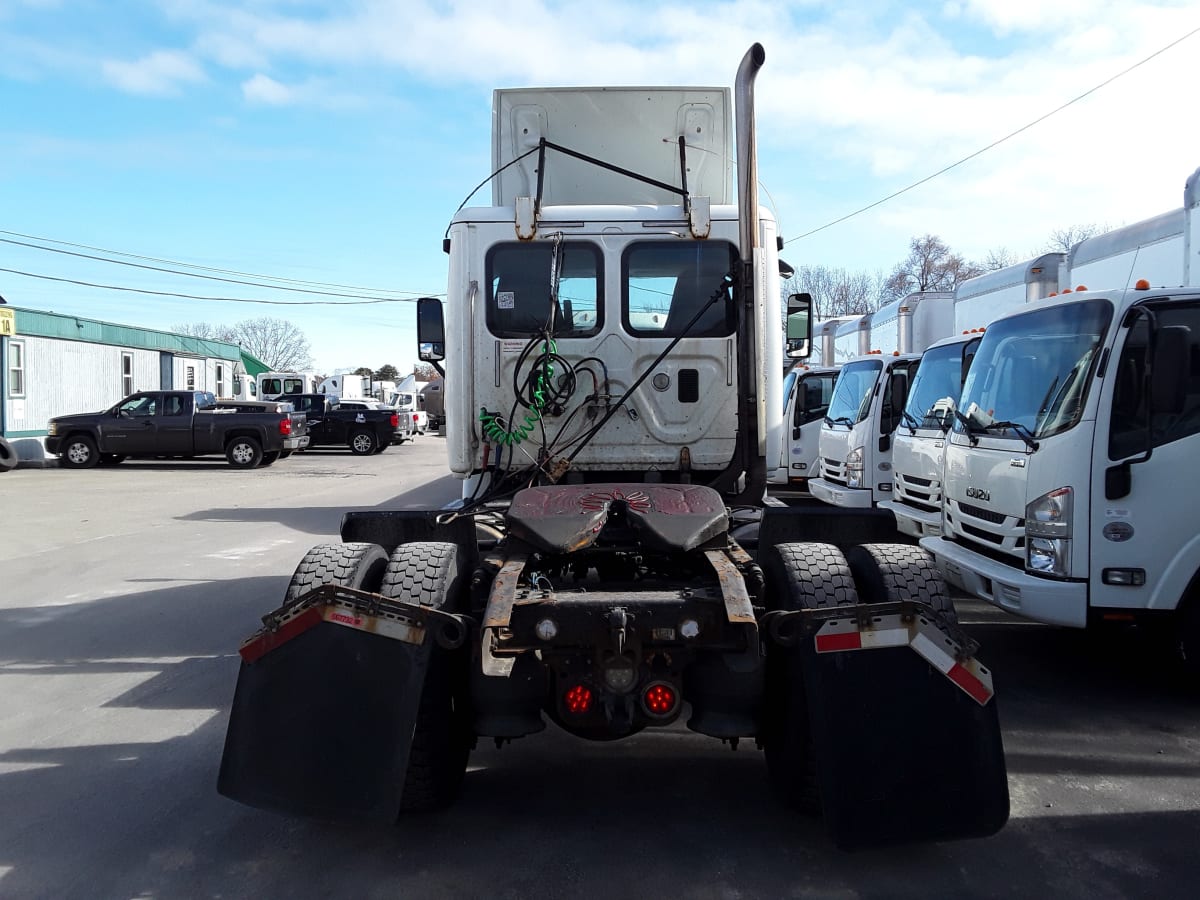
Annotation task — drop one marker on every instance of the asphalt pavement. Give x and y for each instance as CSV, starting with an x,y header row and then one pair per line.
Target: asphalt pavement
x,y
125,592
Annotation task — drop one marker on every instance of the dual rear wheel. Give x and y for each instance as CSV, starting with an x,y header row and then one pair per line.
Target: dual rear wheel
x,y
820,576
424,573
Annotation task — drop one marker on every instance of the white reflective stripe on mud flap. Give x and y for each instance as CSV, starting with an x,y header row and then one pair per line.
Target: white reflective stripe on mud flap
x,y
923,636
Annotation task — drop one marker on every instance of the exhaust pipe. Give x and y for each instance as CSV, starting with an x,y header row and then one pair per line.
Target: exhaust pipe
x,y
749,457
747,148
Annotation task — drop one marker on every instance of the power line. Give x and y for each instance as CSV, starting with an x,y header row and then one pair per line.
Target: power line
x,y
119,262
996,143
133,290
184,265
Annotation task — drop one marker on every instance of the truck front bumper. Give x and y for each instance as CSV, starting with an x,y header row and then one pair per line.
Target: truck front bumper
x,y
54,443
1041,599
839,494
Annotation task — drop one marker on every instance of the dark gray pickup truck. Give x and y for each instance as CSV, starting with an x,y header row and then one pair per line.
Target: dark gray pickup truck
x,y
361,425
178,424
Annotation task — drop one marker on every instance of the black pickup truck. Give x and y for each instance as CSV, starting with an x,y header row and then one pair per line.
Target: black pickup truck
x,y
358,426
178,424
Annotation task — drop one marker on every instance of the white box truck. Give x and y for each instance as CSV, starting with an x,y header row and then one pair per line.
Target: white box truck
x,y
855,445
807,388
919,442
1066,497
1165,249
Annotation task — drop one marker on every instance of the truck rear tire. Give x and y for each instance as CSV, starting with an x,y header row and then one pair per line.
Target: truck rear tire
x,y
244,452
79,452
363,443
888,572
352,565
427,573
799,576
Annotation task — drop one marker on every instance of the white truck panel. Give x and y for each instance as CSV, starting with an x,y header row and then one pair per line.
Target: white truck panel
x,y
635,128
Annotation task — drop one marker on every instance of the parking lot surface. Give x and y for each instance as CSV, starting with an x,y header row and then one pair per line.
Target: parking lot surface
x,y
125,594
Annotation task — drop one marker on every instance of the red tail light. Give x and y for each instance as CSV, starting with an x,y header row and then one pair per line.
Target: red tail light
x,y
578,699
660,699
395,420
285,425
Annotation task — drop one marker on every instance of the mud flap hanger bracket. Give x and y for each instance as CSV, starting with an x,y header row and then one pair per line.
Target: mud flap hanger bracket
x,y
891,624
449,630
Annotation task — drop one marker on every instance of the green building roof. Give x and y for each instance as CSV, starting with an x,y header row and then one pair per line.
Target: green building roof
x,y
37,323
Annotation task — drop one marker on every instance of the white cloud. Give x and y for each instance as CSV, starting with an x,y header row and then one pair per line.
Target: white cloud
x,y
268,91
161,73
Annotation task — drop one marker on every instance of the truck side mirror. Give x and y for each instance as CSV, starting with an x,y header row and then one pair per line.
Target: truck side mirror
x,y
798,335
1169,375
431,330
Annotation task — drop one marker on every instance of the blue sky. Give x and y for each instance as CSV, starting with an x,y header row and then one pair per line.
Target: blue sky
x,y
332,142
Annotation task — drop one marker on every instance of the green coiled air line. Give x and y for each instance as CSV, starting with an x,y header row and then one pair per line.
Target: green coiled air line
x,y
508,437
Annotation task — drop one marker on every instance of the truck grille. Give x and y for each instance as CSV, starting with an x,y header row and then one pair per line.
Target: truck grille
x,y
987,515
992,533
833,470
919,493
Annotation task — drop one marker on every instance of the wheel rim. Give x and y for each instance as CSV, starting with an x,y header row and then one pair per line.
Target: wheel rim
x,y
362,443
79,453
242,454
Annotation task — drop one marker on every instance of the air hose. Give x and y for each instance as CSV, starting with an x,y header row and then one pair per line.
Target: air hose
x,y
541,377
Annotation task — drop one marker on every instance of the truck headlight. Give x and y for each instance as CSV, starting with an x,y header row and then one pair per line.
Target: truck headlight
x,y
854,467
1047,556
52,428
1048,533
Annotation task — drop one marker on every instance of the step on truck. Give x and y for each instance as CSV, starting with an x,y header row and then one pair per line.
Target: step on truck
x,y
610,351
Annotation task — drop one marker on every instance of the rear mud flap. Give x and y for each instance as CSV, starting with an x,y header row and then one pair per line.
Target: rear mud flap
x,y
903,754
323,715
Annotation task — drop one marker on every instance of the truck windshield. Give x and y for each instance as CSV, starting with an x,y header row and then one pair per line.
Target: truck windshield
x,y
851,399
933,396
1031,371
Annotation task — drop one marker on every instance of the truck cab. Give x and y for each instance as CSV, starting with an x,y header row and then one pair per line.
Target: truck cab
x,y
807,402
917,451
1062,496
856,439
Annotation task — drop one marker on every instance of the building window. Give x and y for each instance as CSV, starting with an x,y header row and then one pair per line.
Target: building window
x,y
191,378
220,380
126,374
16,368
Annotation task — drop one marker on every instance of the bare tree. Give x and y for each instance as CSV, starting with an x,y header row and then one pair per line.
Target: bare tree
x,y
930,266
999,258
207,332
1063,239
836,292
425,372
277,342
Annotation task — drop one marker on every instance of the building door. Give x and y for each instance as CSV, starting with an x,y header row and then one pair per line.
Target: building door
x,y
166,369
